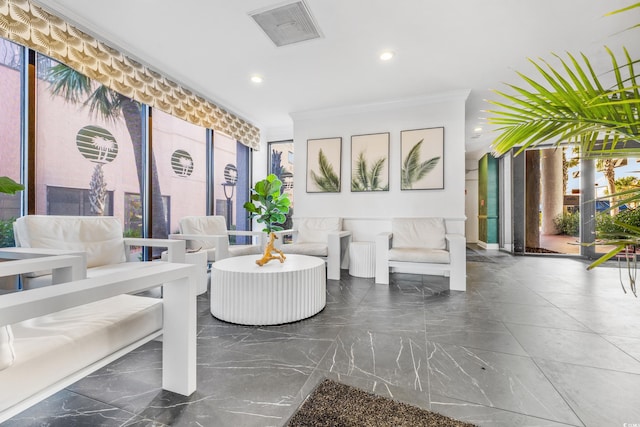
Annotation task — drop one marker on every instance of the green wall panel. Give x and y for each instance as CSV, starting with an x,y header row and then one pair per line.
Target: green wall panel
x,y
488,199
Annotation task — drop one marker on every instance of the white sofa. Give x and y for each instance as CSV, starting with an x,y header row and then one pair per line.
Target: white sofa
x,y
52,336
99,237
321,237
209,233
422,245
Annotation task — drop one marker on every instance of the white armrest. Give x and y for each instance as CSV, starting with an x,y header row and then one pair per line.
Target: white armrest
x,y
65,268
19,306
220,242
262,236
383,243
245,233
60,274
337,253
175,248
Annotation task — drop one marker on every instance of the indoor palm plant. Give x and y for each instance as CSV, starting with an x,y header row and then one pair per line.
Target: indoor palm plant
x,y
572,104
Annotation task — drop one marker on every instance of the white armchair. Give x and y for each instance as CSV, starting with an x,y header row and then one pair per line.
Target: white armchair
x,y
322,237
422,245
98,237
210,234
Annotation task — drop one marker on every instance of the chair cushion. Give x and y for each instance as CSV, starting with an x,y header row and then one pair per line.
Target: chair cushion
x,y
434,256
99,236
211,225
316,230
52,347
313,249
7,354
419,233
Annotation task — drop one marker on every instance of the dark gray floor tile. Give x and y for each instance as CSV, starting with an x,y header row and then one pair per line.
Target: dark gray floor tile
x,y
579,348
499,380
600,397
393,359
550,317
293,346
390,320
623,323
474,333
631,346
486,416
68,409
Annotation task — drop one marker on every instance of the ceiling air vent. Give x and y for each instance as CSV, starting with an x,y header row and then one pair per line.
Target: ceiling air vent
x,y
287,24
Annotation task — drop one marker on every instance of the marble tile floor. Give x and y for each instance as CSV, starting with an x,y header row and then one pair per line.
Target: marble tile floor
x,y
535,341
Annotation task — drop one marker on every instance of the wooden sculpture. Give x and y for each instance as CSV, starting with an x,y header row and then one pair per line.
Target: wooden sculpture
x,y
271,252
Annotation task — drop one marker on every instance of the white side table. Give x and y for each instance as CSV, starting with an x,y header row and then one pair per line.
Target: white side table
x,y
245,293
198,258
362,259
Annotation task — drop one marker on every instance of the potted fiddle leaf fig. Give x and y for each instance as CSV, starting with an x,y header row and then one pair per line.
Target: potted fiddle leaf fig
x,y
269,206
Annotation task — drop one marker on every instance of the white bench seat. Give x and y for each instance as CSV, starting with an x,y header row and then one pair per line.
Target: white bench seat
x,y
51,347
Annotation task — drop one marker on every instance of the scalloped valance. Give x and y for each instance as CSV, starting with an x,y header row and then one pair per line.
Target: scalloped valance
x,y
30,25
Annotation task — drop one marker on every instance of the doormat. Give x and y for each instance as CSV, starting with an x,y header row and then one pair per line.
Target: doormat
x,y
336,404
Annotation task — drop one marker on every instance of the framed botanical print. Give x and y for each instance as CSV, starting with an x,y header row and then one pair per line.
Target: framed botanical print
x,y
323,165
370,162
422,156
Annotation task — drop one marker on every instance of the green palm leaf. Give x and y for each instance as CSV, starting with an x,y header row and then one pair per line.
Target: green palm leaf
x,y
374,174
326,180
361,179
365,178
413,170
576,108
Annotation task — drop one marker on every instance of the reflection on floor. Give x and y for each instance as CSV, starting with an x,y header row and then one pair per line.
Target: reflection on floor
x,y
535,341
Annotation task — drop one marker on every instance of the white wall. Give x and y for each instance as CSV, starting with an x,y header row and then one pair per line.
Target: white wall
x,y
445,110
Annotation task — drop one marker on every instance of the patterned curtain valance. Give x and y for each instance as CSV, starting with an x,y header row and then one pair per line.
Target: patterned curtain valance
x,y
31,26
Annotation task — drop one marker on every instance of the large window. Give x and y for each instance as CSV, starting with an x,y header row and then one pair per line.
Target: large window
x,y
231,182
10,88
87,145
180,168
281,164
567,201
91,154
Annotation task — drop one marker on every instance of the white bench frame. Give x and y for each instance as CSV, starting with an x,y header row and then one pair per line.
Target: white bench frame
x,y
456,269
337,250
179,320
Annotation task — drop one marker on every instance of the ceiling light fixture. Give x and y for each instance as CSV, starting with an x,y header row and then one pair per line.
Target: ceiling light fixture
x,y
386,55
478,129
256,79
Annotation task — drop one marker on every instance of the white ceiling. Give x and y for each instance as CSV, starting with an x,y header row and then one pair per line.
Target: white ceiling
x,y
214,46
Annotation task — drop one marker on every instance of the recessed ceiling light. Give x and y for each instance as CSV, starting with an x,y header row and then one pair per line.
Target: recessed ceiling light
x,y
256,78
478,129
386,55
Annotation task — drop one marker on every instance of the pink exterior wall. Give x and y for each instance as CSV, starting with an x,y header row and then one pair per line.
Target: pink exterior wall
x,y
9,123
188,194
224,152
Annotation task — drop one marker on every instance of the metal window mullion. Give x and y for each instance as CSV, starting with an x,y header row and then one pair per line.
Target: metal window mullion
x,y
146,190
209,172
28,132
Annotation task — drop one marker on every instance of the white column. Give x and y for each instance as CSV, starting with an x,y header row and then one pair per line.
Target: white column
x,y
552,196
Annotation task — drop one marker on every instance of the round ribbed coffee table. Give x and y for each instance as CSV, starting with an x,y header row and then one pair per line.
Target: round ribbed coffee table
x,y
243,292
